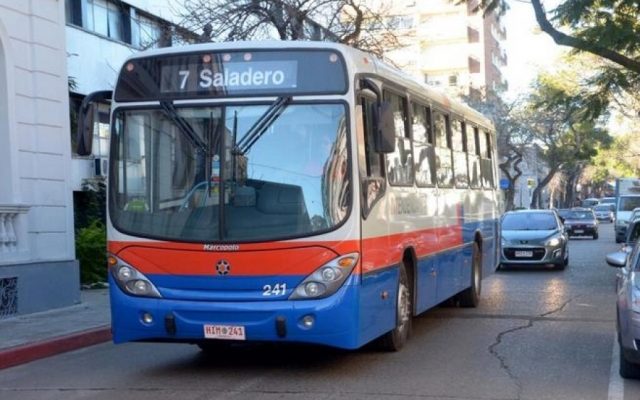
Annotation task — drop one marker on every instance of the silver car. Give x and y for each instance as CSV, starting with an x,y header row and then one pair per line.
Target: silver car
x,y
533,237
628,303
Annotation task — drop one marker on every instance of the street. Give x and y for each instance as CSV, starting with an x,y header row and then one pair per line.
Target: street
x,y
538,334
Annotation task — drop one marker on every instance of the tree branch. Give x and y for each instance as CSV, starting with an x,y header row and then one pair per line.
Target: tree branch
x,y
577,43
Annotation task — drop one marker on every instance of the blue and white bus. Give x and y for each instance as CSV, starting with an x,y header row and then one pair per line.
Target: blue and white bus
x,y
290,191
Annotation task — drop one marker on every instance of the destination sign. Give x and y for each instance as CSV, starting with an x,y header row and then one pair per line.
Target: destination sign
x,y
232,74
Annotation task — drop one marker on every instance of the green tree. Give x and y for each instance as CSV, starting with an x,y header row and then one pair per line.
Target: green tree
x,y
565,129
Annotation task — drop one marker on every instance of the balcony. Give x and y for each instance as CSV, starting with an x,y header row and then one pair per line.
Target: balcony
x,y
13,233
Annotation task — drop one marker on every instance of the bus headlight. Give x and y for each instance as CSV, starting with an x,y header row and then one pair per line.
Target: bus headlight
x,y
130,280
327,279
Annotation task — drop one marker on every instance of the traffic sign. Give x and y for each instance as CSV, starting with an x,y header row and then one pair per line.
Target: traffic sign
x,y
504,183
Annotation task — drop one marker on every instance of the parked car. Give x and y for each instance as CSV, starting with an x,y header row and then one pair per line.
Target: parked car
x,y
628,302
588,203
563,213
533,237
581,222
604,212
609,200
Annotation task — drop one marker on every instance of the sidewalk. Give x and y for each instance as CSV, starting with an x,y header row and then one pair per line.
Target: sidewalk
x,y
30,337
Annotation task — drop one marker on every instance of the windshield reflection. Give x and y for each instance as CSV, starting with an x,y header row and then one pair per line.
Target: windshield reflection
x,y
291,181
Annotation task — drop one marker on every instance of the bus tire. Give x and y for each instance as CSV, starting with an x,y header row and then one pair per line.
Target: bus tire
x,y
395,339
470,297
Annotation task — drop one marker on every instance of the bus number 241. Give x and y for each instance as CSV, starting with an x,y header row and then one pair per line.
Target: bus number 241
x,y
275,290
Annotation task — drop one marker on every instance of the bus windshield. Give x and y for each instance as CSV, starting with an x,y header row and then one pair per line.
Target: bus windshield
x,y
202,174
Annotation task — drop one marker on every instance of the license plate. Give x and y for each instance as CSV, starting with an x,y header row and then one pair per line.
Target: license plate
x,y
578,231
524,253
225,332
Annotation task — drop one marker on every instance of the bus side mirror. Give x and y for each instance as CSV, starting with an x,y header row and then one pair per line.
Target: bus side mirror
x,y
386,132
86,120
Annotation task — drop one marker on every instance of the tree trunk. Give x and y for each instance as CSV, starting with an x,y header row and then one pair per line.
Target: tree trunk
x,y
537,192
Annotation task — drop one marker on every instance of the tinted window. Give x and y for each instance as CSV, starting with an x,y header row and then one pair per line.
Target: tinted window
x,y
423,151
580,215
400,162
444,162
628,203
529,221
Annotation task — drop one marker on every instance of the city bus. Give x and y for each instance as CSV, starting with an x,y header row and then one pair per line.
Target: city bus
x,y
289,192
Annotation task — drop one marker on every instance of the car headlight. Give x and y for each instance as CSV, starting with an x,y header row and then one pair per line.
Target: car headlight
x,y
504,242
554,241
130,280
327,279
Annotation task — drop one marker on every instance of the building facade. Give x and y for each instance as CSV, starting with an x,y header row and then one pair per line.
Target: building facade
x,y
100,35
449,46
38,269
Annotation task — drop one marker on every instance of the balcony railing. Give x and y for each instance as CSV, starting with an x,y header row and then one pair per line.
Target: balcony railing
x,y
13,232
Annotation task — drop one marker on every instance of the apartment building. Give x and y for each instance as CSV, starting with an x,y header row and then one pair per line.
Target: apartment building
x,y
449,46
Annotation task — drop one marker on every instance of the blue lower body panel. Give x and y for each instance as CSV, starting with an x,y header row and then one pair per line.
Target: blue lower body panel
x,y
336,319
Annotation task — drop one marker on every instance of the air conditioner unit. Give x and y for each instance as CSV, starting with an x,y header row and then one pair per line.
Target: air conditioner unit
x,y
101,166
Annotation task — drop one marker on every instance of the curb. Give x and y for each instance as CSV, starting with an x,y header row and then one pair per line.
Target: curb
x,y
13,356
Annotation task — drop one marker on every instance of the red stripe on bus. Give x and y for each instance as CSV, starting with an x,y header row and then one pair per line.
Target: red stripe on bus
x,y
283,258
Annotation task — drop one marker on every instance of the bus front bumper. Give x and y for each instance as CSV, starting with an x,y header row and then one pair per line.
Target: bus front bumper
x,y
334,318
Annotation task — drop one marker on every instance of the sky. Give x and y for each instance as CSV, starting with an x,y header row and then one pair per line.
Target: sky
x,y
528,49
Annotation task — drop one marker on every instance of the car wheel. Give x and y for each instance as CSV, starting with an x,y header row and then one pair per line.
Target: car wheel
x,y
470,297
566,257
628,369
397,338
595,236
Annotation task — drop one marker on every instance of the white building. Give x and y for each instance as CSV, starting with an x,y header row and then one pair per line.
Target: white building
x,y
101,34
38,269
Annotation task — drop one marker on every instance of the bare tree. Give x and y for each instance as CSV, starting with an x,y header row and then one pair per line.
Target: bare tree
x,y
351,22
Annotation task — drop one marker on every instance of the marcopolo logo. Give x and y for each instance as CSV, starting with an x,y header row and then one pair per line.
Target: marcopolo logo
x,y
254,75
221,247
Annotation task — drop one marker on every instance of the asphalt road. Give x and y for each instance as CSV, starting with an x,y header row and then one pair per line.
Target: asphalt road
x,y
538,334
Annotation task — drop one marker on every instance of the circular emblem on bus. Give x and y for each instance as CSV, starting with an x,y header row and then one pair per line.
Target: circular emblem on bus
x,y
223,267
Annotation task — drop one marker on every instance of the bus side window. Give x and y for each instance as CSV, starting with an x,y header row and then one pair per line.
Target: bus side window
x,y
400,162
459,153
486,162
423,152
473,150
444,164
373,159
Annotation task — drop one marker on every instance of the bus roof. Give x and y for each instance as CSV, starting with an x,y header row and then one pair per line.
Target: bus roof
x,y
357,61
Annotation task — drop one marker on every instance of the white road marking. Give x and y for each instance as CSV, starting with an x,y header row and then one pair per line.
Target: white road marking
x,y
616,383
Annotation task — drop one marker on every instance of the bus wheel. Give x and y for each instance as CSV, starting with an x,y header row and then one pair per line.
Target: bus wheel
x,y
396,339
470,297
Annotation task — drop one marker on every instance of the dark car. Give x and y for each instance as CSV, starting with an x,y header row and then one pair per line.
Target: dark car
x,y
581,222
533,237
628,303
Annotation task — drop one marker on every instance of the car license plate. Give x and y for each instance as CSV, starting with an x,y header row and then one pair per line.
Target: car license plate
x,y
524,253
578,231
225,332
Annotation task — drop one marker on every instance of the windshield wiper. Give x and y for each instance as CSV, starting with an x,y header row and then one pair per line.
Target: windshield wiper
x,y
170,111
260,126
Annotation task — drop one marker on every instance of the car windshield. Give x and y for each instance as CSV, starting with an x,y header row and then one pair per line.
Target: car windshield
x,y
603,207
205,174
563,213
529,221
580,215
